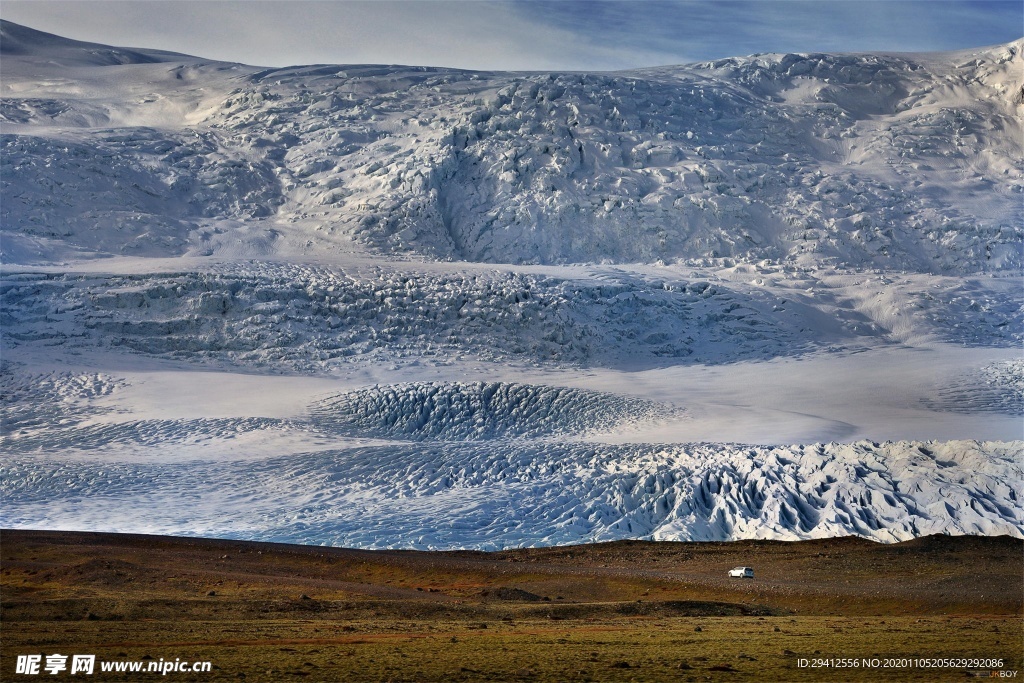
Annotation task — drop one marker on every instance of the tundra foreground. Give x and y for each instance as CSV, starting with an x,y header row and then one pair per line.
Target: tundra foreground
x,y
838,609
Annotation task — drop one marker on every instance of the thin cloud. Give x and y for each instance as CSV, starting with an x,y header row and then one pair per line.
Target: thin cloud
x,y
531,35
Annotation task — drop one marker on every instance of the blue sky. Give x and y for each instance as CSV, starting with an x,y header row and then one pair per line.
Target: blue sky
x,y
542,34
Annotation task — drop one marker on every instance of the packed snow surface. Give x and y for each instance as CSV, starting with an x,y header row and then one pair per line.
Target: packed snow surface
x,y
777,296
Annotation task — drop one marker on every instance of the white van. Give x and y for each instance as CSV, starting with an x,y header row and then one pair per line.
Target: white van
x,y
741,573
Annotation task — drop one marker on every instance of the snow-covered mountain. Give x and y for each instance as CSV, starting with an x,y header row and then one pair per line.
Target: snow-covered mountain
x,y
425,307
895,161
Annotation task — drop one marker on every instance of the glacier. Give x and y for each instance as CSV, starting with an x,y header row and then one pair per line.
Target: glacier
x,y
776,296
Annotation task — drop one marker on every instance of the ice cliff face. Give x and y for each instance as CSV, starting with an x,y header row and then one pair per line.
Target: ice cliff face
x,y
891,161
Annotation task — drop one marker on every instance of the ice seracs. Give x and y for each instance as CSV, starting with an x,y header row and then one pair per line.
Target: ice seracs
x,y
514,494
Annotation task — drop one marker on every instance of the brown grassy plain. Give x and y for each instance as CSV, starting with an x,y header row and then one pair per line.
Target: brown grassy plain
x,y
624,611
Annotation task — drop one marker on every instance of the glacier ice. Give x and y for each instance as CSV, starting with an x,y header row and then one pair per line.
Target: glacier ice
x,y
389,306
